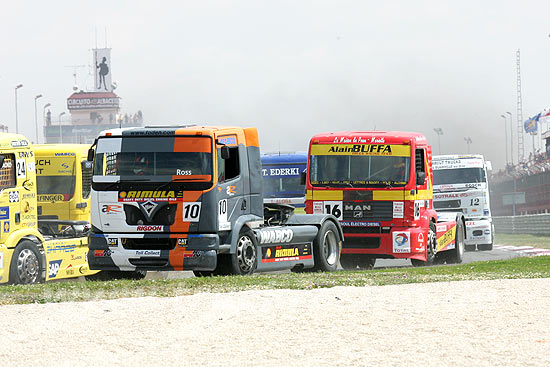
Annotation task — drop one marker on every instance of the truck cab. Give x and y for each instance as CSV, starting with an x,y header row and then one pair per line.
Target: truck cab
x,y
33,250
460,184
281,174
379,185
64,177
190,198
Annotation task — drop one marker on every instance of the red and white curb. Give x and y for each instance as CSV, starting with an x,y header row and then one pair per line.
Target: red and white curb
x,y
524,250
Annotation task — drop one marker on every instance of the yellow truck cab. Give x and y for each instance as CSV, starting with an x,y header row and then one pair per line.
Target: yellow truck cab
x,y
33,250
63,177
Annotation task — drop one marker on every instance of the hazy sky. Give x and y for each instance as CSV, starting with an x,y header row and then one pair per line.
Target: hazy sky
x,y
290,68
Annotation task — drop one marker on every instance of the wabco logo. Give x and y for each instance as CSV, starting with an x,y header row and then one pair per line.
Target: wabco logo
x,y
149,228
276,236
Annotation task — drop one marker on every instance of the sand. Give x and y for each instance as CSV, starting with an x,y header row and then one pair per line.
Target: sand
x,y
469,323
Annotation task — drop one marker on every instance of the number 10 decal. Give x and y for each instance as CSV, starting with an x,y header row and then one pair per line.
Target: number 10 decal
x,y
191,212
334,208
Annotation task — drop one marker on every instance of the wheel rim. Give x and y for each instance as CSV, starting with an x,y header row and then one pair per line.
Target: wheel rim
x,y
330,247
28,266
432,243
246,254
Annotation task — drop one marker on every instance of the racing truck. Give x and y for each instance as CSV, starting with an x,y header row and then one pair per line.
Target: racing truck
x,y
460,184
379,185
281,174
190,198
32,249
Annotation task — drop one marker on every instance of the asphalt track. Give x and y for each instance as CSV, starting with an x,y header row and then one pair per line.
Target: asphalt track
x,y
469,256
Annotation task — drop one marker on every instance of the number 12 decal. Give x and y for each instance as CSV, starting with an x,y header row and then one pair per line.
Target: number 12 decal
x,y
191,212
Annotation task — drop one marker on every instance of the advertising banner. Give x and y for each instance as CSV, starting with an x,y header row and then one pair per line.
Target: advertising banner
x,y
102,63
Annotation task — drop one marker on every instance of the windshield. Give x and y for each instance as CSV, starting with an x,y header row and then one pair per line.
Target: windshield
x,y
459,176
153,159
359,167
283,180
59,185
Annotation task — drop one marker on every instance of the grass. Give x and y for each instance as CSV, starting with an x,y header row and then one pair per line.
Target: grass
x,y
523,267
523,240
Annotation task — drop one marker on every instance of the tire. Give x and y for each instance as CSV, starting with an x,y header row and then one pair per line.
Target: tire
x,y
431,247
455,255
203,273
27,264
244,260
106,275
355,262
327,246
486,247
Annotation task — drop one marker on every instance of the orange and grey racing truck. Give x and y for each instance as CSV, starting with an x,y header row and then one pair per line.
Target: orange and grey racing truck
x,y
379,185
190,198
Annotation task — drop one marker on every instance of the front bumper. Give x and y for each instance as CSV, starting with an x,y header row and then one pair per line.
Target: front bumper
x,y
130,252
400,243
479,232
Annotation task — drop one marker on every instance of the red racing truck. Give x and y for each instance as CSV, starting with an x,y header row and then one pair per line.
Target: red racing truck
x,y
379,185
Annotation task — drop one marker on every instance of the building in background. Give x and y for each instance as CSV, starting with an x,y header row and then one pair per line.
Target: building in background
x,y
91,111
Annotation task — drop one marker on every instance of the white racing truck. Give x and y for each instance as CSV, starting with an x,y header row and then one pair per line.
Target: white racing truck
x,y
460,184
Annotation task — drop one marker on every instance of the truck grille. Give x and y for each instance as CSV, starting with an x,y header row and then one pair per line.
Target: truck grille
x,y
368,210
165,215
446,204
361,242
149,243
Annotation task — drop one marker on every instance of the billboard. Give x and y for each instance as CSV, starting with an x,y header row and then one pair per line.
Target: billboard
x,y
102,62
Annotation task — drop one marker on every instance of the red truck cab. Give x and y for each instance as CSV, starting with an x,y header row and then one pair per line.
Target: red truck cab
x,y
379,185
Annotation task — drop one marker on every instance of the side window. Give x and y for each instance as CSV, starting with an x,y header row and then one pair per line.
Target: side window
x,y
86,178
228,168
7,172
420,167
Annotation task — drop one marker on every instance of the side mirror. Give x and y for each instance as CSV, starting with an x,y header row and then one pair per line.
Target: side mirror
x,y
1,161
420,178
302,178
225,152
90,154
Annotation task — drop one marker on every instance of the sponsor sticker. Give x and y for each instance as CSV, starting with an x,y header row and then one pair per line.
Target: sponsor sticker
x,y
317,207
111,209
14,196
348,223
223,224
6,227
112,241
145,195
276,235
398,209
149,228
286,253
401,242
147,252
53,268
102,253
182,242
4,212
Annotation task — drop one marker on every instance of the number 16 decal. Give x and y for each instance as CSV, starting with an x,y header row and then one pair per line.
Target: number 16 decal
x,y
334,208
191,212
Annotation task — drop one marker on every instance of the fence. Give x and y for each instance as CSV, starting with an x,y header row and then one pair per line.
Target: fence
x,y
523,224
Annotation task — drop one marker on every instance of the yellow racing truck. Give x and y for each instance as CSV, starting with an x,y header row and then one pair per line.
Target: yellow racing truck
x,y
64,178
33,250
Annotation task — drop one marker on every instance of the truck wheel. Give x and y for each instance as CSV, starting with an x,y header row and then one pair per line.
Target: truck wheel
x,y
431,248
106,275
26,264
455,256
486,247
243,261
326,248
